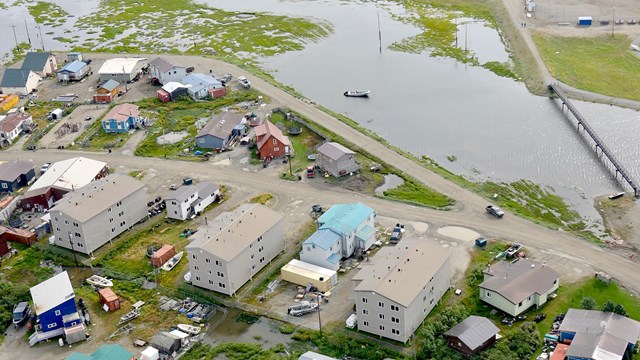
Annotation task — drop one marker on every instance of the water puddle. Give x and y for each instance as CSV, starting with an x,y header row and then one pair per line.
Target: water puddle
x,y
390,181
264,331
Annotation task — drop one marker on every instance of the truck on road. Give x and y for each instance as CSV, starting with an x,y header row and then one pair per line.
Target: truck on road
x,y
495,211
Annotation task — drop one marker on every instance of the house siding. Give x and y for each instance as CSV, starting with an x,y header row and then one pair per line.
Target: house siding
x,y
90,235
271,150
500,302
461,347
343,166
50,321
114,126
211,142
176,74
316,255
238,270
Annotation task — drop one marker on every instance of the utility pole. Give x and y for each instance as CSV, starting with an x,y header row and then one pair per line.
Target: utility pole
x,y
27,29
613,21
379,33
465,37
15,37
72,250
41,38
319,299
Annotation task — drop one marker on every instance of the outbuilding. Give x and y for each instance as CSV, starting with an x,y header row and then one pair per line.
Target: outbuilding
x,y
302,273
106,92
123,70
336,159
472,335
163,255
16,174
73,71
109,299
585,21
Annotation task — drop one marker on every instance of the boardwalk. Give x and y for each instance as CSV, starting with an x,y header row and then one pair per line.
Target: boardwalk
x,y
599,144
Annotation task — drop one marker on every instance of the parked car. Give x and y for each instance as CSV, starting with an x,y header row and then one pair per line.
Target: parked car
x,y
190,69
396,234
495,211
225,78
88,118
44,168
540,317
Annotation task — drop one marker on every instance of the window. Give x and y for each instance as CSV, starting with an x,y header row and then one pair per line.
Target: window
x,y
380,304
76,224
381,316
260,238
252,256
488,294
66,222
529,298
381,327
253,267
111,220
80,244
109,210
52,325
194,258
4,185
275,142
58,229
520,304
207,260
195,267
277,148
395,331
77,234
365,323
555,281
210,282
250,246
395,320
222,285
394,308
220,274
197,278
113,229
365,312
57,312
209,271
217,262
365,300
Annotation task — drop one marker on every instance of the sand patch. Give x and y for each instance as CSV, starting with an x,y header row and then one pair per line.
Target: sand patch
x,y
459,233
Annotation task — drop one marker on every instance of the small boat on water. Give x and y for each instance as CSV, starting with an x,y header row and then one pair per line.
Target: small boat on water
x,y
129,316
189,329
169,265
21,313
616,196
99,281
359,93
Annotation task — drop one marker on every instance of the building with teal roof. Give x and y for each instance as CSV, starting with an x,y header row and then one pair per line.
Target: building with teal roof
x,y
105,352
342,230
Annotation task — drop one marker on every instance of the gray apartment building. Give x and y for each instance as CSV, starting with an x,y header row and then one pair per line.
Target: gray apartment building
x,y
88,217
228,251
399,286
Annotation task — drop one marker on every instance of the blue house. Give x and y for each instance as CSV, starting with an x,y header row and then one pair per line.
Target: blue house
x,y
598,335
55,308
16,174
342,230
198,85
74,71
122,118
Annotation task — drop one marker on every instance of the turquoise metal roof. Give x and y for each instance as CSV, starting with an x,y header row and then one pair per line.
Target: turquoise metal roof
x,y
78,356
366,232
334,258
105,352
322,238
74,66
345,218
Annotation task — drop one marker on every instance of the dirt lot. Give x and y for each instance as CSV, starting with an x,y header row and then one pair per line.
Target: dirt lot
x,y
62,134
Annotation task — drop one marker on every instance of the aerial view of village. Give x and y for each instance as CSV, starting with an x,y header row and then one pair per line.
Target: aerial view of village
x,y
345,179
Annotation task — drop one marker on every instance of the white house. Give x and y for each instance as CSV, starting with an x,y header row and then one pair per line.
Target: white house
x,y
343,229
122,70
166,71
399,286
190,200
19,81
514,287
42,63
232,248
88,217
12,125
199,85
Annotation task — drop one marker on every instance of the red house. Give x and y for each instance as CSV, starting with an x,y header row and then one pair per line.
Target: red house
x,y
271,142
472,335
4,246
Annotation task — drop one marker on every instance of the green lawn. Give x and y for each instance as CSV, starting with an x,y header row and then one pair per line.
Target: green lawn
x,y
303,144
603,64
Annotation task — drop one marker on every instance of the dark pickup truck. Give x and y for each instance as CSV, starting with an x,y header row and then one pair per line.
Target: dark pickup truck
x,y
396,234
495,211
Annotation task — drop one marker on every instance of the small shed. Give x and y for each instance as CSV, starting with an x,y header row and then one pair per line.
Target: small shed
x,y
109,298
56,114
163,95
472,335
166,343
74,56
163,255
302,273
219,92
585,21
150,353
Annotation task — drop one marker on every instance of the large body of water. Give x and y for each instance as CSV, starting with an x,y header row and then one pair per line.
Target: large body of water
x,y
439,107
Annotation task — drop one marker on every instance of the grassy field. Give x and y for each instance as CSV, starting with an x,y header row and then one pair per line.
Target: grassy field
x,y
603,64
48,14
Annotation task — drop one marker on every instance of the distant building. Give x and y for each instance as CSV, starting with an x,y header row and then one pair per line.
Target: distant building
x,y
54,305
514,287
217,133
190,200
336,159
232,248
16,174
8,101
302,273
199,85
472,335
74,56
106,92
89,217
42,63
74,71
61,177
165,71
397,288
121,119
19,81
272,143
310,355
341,230
123,70
596,335
13,125
105,352
172,91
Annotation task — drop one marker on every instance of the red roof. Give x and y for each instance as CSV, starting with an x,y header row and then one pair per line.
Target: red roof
x,y
265,130
108,295
12,121
122,112
559,352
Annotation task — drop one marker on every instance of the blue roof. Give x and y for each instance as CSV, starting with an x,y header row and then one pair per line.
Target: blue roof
x,y
105,352
200,79
366,232
345,218
334,258
15,78
322,238
110,85
35,61
73,66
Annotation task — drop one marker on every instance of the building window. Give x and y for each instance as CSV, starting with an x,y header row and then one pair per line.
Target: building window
x,y
222,285
52,325
555,281
209,271
217,262
66,222
380,304
80,244
260,238
381,316
277,148
381,327
365,323
76,224
207,260
111,220
365,312
520,304
109,210
253,267
275,142
365,300
395,331
193,256
197,278
220,274
395,320
529,298
394,308
252,256
488,294
4,185
195,267
57,312
113,229
210,282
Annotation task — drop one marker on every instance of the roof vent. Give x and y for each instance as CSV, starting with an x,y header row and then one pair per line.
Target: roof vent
x,y
533,265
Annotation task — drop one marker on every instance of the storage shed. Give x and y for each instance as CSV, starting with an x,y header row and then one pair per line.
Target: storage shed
x,y
166,343
110,299
163,255
585,21
150,353
219,92
302,273
163,95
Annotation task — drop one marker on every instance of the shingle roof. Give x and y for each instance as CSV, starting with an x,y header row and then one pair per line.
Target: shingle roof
x,y
267,129
206,189
15,78
12,121
163,65
122,112
334,150
109,85
73,66
11,170
220,127
474,331
517,280
401,272
35,61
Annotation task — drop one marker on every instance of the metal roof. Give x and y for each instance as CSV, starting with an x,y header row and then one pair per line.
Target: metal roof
x,y
73,66
231,232
109,85
70,174
519,279
172,86
334,150
322,238
88,201
595,322
182,193
345,218
35,61
206,189
120,65
308,270
310,355
200,79
221,126
11,170
267,128
473,331
400,272
163,65
51,293
15,78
